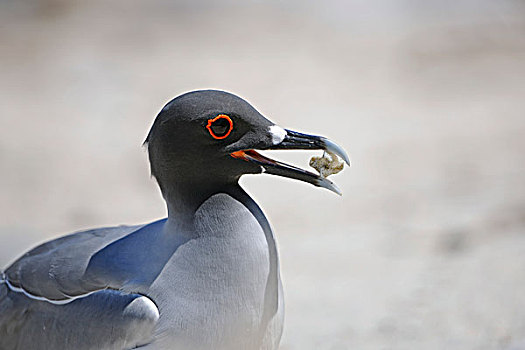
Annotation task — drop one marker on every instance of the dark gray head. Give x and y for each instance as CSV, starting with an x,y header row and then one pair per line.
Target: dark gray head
x,y
208,138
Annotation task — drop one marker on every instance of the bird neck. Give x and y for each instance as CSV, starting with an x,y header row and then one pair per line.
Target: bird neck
x,y
183,199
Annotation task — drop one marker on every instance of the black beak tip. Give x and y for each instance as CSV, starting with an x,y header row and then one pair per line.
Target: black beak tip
x,y
329,185
336,149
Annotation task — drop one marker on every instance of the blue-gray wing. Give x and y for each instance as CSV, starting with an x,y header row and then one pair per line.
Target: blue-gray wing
x,y
51,299
105,319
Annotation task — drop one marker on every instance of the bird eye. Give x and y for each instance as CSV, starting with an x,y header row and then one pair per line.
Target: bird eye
x,y
220,127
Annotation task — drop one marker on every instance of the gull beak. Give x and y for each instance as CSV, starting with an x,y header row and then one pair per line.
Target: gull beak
x,y
296,140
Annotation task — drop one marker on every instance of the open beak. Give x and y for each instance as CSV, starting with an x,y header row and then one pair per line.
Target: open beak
x,y
296,140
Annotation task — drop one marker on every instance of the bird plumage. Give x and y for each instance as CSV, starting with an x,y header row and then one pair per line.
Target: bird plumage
x,y
210,286
206,277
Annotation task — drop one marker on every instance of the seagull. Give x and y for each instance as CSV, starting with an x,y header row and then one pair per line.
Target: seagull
x,y
205,277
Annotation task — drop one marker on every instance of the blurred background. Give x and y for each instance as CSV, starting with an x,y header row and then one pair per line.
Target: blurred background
x,y
426,248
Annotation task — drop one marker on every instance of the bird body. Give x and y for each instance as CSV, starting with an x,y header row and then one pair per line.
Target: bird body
x,y
206,277
208,288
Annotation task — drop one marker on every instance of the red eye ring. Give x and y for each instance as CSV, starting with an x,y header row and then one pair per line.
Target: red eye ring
x,y
211,121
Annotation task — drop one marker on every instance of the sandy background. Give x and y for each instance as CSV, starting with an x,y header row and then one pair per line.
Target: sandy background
x,y
425,250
